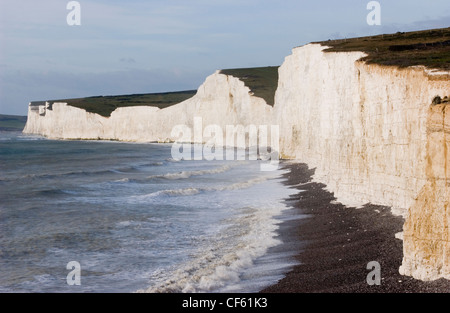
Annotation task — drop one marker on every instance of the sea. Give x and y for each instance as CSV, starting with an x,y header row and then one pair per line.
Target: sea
x,y
105,216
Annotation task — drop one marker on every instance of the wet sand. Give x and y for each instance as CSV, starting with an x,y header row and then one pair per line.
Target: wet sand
x,y
335,243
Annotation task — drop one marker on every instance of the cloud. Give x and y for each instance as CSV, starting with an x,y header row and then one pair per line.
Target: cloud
x,y
127,60
440,22
430,23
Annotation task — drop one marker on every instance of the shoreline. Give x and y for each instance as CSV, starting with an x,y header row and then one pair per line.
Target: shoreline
x,y
334,244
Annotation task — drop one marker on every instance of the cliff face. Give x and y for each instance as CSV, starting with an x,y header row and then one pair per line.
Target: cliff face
x,y
372,135
426,230
221,100
370,131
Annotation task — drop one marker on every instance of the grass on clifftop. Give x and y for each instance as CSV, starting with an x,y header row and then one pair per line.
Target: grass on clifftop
x,y
12,122
262,81
430,48
105,105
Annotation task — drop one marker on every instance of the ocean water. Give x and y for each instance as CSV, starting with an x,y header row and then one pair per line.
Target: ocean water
x,y
135,219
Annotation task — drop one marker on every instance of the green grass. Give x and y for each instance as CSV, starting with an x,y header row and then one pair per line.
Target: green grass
x,y
105,105
12,122
262,81
430,48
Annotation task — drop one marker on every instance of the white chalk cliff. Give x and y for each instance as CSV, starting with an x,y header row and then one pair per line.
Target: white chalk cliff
x,y
221,100
369,130
373,136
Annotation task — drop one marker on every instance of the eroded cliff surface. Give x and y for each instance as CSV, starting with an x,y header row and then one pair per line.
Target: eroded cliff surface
x,y
426,230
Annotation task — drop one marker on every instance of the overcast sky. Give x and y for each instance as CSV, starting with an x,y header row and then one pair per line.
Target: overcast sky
x,y
137,46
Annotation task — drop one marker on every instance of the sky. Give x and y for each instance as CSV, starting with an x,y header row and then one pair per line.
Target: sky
x,y
137,46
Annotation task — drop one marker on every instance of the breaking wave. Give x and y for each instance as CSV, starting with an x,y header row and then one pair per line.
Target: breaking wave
x,y
189,227
193,191
187,174
220,264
